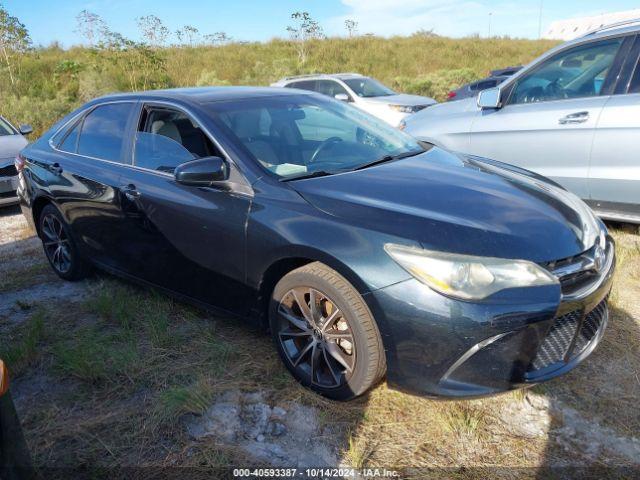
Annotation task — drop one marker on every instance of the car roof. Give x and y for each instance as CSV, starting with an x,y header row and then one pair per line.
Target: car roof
x,y
200,95
316,76
604,32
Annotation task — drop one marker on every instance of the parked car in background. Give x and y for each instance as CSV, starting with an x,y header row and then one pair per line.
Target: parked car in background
x,y
505,72
495,78
572,115
472,89
363,92
11,142
363,250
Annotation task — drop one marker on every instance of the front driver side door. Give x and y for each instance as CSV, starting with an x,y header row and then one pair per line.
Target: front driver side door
x,y
550,114
188,239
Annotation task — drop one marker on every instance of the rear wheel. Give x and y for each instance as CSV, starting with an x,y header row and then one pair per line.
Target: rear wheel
x,y
325,333
59,247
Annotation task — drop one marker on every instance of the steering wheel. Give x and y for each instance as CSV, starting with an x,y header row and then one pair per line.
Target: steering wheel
x,y
555,91
323,146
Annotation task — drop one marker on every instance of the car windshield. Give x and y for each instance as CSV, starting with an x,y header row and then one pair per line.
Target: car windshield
x,y
368,87
301,135
5,128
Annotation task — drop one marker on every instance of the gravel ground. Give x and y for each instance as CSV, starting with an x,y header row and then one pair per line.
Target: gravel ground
x,y
290,432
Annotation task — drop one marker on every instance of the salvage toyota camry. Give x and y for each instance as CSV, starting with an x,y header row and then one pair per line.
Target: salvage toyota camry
x,y
364,252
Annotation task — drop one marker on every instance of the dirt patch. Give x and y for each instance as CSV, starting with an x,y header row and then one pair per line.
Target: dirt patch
x,y
537,416
18,305
280,435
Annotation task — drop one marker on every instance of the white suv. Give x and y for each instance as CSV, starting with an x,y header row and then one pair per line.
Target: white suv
x,y
363,92
572,115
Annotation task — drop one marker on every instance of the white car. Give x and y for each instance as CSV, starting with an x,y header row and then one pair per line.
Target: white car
x,y
363,92
572,115
11,142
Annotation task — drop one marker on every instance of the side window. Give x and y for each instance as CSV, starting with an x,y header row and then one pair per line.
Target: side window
x,y
304,85
69,139
167,138
575,73
330,88
104,130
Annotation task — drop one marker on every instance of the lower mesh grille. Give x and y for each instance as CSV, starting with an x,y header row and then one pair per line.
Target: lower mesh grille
x,y
590,327
557,346
8,171
558,340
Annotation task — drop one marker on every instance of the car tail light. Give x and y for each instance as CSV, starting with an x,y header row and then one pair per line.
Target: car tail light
x,y
19,162
451,95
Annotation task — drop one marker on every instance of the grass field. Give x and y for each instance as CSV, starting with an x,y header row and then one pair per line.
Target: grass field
x,y
109,374
53,81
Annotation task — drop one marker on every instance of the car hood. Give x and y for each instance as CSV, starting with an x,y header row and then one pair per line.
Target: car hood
x,y
459,204
440,111
402,99
10,145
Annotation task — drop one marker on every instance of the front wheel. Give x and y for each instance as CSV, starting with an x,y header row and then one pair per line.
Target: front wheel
x,y
325,333
59,247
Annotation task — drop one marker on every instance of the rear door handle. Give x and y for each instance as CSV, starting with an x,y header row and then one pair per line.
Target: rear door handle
x,y
130,192
573,118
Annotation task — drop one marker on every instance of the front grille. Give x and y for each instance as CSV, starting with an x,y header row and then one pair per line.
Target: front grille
x,y
579,272
569,336
8,171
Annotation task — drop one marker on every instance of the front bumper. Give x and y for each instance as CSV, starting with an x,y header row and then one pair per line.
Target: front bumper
x,y
439,346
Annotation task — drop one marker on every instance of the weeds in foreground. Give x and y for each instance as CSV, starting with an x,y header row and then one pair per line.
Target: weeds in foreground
x,y
464,418
22,352
179,400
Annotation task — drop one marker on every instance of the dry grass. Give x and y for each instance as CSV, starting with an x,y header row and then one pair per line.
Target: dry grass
x,y
107,380
53,81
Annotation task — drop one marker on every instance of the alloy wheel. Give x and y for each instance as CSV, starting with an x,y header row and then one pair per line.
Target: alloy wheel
x,y
56,243
316,337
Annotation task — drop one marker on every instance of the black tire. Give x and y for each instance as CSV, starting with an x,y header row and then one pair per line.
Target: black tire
x,y
342,336
59,246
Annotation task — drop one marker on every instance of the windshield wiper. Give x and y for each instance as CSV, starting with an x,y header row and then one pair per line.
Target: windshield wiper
x,y
388,158
317,173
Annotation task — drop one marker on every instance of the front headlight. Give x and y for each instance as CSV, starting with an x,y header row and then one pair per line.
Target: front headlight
x,y
468,277
403,108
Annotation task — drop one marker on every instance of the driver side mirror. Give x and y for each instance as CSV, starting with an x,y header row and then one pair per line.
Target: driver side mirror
x,y
343,97
202,172
490,98
25,129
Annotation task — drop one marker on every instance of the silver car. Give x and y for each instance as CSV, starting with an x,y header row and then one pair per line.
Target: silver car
x,y
572,115
366,93
11,142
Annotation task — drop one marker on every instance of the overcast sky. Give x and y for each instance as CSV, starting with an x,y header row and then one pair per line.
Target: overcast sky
x,y
49,20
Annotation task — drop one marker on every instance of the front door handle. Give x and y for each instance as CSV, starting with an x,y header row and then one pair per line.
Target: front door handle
x,y
573,118
130,192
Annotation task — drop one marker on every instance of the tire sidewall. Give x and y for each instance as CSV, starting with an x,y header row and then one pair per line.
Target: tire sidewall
x,y
356,384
